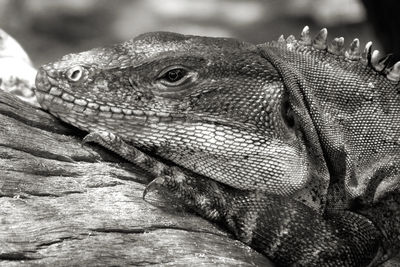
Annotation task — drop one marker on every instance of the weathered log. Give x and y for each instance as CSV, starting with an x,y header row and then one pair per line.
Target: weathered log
x,y
63,203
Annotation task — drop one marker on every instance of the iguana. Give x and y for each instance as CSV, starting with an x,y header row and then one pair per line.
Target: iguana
x,y
292,145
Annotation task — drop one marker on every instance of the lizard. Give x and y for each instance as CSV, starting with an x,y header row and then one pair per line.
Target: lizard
x,y
291,145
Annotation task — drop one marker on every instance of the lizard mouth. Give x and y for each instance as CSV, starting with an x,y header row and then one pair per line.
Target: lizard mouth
x,y
88,114
82,112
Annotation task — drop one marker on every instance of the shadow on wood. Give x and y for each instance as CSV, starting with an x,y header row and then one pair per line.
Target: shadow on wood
x,y
63,203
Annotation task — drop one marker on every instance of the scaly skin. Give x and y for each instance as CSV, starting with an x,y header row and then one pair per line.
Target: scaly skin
x,y
291,145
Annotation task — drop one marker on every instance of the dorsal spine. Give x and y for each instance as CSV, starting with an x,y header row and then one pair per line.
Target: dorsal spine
x,y
369,57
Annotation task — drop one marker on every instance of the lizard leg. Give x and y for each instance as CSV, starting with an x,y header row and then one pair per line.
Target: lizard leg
x,y
290,232
128,152
385,213
199,193
285,230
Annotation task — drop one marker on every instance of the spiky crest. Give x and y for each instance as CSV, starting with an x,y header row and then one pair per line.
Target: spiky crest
x,y
336,47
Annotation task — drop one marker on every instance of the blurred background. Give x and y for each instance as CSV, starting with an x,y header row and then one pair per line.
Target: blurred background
x,y
48,29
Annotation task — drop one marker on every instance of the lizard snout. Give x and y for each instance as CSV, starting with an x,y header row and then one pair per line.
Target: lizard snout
x,y
42,81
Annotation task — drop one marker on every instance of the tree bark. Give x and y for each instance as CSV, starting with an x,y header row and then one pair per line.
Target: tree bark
x,y
63,203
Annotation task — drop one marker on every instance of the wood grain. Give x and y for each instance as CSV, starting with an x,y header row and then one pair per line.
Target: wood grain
x,y
64,204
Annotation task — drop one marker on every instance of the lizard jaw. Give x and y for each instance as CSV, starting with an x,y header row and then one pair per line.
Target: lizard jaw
x,y
185,139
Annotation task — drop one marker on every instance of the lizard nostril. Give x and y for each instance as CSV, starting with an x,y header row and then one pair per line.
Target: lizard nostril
x,y
74,74
42,80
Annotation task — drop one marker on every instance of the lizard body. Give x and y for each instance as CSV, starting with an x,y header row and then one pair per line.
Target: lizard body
x,y
293,145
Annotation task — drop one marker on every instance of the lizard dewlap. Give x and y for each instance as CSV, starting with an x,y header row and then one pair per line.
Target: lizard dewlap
x,y
292,145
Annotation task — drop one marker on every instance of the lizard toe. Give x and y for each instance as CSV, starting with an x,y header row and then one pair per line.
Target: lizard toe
x,y
153,185
100,137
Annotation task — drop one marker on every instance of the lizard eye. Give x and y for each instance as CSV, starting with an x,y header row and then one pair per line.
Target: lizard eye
x,y
74,74
173,77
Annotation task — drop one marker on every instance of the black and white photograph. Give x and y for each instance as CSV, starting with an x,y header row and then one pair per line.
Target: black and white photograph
x,y
200,133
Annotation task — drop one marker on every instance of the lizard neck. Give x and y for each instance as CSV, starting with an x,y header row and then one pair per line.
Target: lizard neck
x,y
348,116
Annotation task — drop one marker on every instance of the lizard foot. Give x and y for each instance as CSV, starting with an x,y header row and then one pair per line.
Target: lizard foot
x,y
203,195
100,137
153,186
199,193
119,146
110,141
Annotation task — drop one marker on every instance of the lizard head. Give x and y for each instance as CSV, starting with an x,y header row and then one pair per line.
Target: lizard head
x,y
214,106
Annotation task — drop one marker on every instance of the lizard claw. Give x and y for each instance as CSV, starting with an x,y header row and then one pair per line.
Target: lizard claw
x,y
153,185
105,139
91,137
99,137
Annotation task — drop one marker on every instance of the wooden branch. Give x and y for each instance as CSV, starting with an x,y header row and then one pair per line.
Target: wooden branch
x,y
63,203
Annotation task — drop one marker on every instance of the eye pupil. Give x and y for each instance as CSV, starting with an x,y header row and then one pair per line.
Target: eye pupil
x,y
175,75
74,74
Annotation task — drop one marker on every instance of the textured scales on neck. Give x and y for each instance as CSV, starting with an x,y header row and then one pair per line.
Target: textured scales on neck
x,y
342,97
